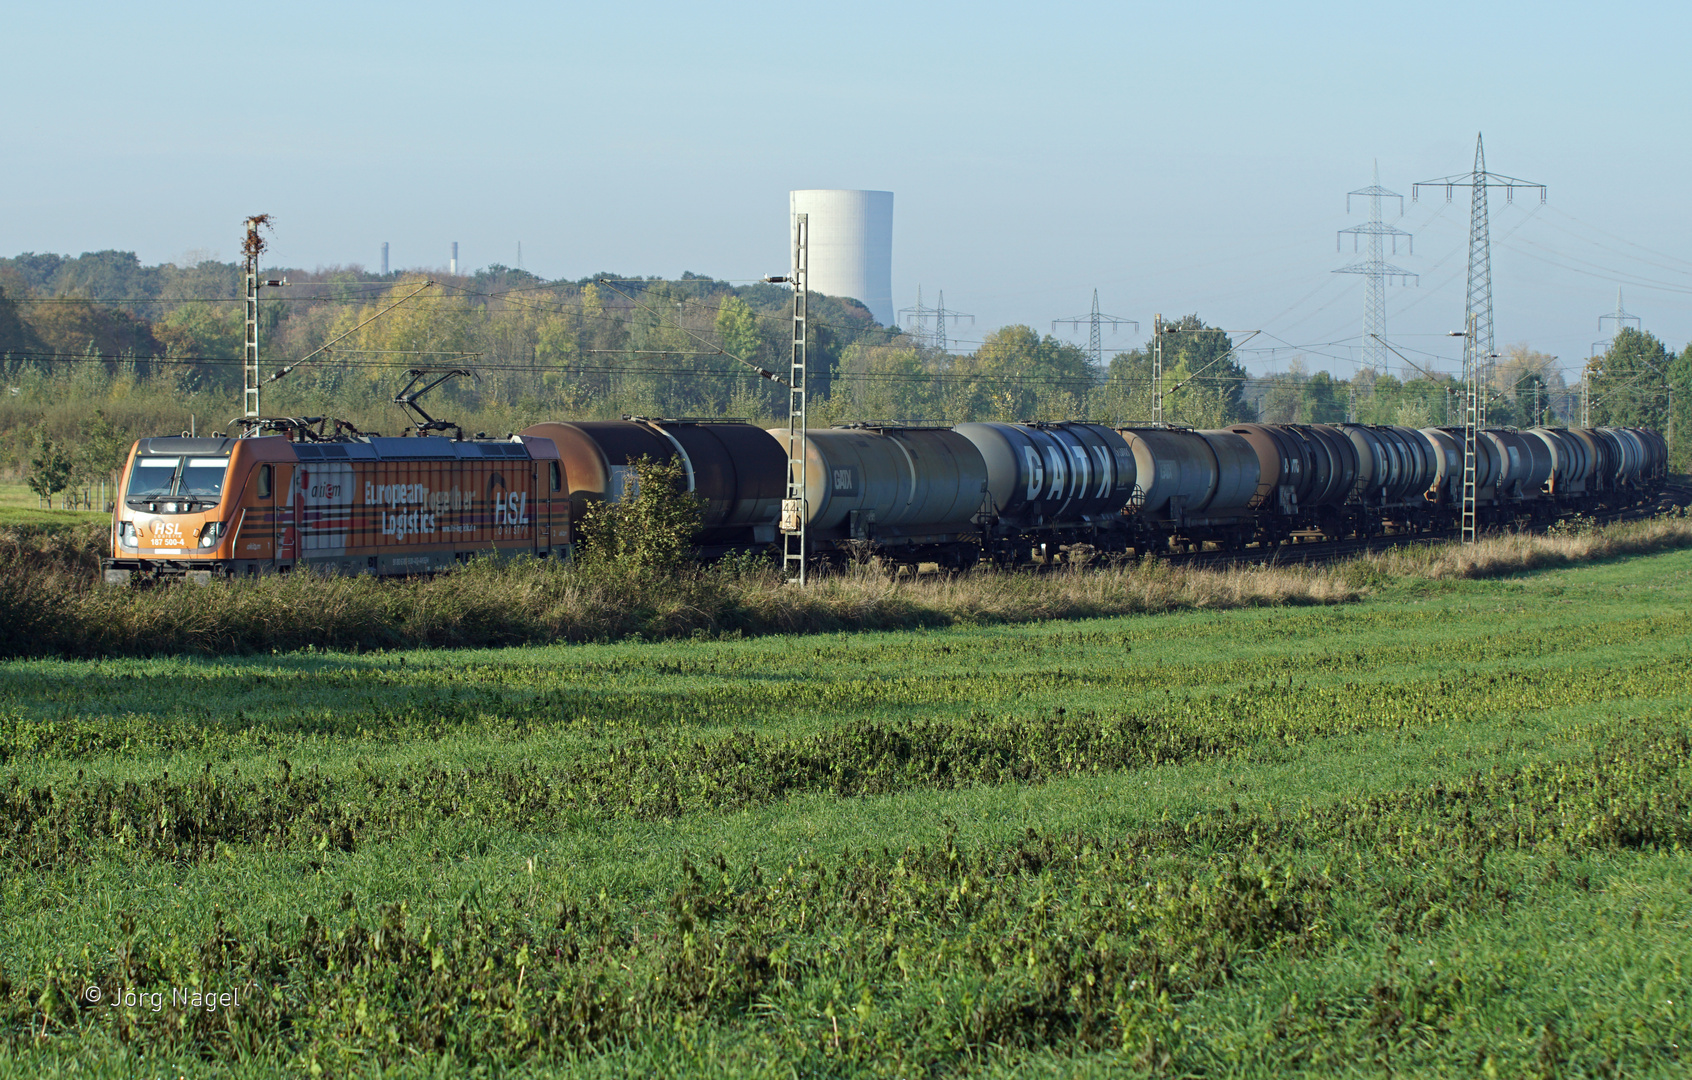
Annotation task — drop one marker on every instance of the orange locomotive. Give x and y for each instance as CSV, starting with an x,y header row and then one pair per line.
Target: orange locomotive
x,y
224,507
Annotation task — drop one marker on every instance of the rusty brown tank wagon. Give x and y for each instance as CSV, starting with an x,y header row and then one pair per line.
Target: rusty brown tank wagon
x,y
735,469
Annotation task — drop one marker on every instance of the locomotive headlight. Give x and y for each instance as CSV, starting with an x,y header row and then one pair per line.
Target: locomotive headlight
x,y
209,534
126,533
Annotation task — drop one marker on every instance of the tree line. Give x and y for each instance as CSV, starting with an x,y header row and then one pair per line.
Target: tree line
x,y
99,349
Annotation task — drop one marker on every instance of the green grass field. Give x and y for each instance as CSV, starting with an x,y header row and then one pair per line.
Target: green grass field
x,y
21,506
1442,831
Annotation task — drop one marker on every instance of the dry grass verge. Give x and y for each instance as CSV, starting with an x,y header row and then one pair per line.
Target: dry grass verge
x,y
1498,556
50,604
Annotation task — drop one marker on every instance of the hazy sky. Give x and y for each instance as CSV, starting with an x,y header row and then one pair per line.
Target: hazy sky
x,y
1177,157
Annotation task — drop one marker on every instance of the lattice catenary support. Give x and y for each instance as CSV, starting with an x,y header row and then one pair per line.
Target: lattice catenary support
x,y
794,510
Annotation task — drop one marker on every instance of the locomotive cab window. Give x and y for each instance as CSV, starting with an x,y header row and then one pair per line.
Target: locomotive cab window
x,y
557,477
264,482
202,478
153,477
199,480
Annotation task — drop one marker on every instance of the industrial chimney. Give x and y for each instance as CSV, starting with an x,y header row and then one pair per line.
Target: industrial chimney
x,y
453,268
384,258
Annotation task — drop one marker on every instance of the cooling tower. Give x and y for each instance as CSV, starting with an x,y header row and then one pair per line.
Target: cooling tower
x,y
851,249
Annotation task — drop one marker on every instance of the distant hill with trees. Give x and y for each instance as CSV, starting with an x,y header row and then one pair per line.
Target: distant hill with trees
x,y
98,349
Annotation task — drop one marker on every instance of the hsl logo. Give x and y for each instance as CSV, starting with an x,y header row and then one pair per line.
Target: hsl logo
x,y
511,508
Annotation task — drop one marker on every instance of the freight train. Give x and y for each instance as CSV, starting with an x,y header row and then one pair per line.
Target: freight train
x,y
907,495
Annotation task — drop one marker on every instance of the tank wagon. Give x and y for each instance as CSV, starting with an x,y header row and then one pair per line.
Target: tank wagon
x,y
907,494
224,507
1048,486
736,469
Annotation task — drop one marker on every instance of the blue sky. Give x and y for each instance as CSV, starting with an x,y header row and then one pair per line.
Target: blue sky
x,y
1177,157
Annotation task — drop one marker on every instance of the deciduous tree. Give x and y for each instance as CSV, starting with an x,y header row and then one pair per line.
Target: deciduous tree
x,y
1628,382
50,467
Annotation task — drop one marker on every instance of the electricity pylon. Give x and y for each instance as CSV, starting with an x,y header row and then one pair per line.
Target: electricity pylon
x,y
920,316
1376,271
1621,318
1095,344
1479,301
